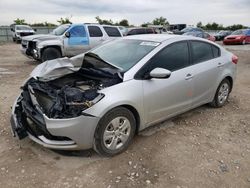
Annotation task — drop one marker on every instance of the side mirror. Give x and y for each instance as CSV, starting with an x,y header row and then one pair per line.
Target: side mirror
x,y
160,73
67,34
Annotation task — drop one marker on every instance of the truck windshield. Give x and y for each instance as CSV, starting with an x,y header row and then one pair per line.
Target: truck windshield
x,y
23,27
60,30
124,53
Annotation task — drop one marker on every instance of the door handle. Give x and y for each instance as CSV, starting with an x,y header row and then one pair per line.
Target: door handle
x,y
220,65
189,76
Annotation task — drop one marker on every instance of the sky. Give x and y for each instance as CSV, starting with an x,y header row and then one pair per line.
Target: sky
x,y
226,12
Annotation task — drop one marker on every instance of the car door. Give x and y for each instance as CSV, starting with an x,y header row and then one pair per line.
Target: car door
x,y
77,41
166,97
96,36
206,67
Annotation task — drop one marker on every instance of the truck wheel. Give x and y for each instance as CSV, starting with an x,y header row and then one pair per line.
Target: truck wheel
x,y
114,132
50,53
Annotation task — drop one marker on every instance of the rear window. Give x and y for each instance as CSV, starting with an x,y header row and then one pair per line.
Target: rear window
x,y
95,31
112,31
201,51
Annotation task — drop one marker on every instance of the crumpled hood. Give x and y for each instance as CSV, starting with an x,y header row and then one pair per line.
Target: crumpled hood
x,y
41,37
50,70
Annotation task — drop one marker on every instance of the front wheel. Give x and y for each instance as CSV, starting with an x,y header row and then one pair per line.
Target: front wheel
x,y
221,94
50,53
115,132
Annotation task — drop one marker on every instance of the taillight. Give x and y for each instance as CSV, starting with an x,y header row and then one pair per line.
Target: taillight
x,y
235,59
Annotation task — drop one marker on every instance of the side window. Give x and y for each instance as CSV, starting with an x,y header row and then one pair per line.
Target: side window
x,y
141,31
149,31
132,32
216,51
77,31
112,31
173,57
201,51
95,31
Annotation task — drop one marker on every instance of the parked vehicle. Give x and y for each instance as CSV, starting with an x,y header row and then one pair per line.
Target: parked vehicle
x,y
241,36
123,30
102,98
188,29
141,30
204,35
68,40
221,35
20,31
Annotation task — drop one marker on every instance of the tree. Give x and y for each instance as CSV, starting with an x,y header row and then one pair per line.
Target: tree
x,y
199,24
19,21
236,27
146,24
104,22
64,21
44,24
160,21
124,22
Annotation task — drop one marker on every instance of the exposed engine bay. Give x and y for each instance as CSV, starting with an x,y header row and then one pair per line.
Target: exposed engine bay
x,y
69,95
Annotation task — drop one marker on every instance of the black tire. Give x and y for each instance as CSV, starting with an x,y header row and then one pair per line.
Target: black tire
x,y
14,39
50,53
217,103
100,145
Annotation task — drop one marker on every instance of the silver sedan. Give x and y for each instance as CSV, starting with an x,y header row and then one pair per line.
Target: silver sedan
x,y
102,98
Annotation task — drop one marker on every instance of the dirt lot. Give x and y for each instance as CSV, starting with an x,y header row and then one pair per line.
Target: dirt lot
x,y
205,147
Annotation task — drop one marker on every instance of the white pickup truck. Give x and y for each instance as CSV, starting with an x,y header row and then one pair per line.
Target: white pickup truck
x,y
20,31
67,40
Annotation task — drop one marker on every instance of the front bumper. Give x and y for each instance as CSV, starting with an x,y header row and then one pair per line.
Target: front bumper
x,y
63,134
232,41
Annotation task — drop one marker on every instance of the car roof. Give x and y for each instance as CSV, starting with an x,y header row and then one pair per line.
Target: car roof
x,y
156,37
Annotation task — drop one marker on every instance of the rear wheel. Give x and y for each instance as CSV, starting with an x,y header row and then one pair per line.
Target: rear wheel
x,y
221,94
50,53
115,132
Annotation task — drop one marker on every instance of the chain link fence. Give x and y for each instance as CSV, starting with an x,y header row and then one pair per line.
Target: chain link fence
x,y
6,33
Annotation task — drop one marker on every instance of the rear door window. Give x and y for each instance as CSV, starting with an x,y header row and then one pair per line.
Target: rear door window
x,y
112,31
201,51
95,31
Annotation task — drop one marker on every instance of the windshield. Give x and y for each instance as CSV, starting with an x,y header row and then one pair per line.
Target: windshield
x,y
60,30
124,53
239,32
23,27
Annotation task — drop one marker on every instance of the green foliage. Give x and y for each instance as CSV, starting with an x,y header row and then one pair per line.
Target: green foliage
x,y
160,21
19,21
124,23
64,21
216,26
44,24
104,22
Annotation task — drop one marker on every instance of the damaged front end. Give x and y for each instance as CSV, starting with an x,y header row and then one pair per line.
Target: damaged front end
x,y
44,106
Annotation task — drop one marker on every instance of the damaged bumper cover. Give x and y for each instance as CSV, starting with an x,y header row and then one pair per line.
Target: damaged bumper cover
x,y
63,134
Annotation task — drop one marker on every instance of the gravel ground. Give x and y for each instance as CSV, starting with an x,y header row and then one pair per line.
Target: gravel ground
x,y
205,147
